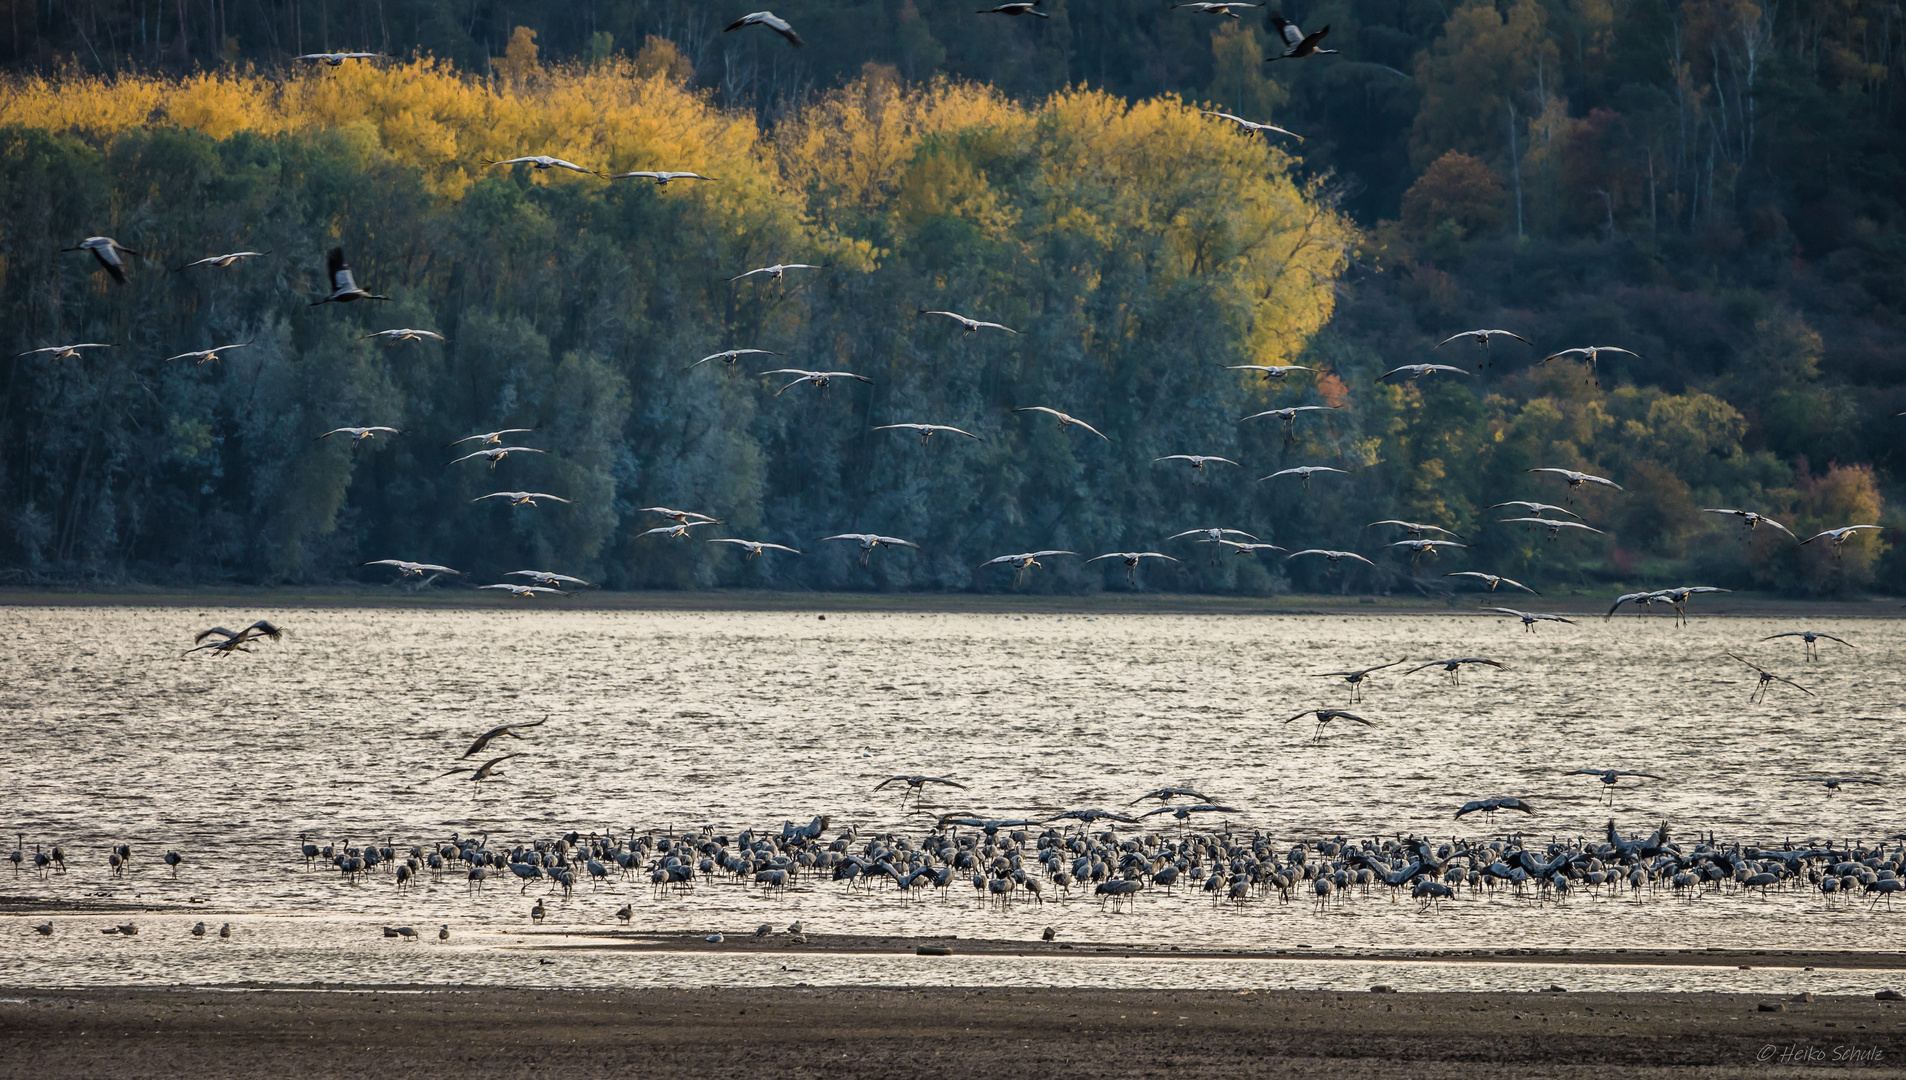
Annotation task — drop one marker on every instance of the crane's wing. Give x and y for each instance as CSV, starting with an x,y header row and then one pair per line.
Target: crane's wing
x,y
780,26
1564,354
340,273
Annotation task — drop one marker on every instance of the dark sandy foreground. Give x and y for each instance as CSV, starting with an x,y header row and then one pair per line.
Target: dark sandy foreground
x,y
127,1034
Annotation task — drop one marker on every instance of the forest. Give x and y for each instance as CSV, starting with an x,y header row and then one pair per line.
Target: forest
x,y
1711,186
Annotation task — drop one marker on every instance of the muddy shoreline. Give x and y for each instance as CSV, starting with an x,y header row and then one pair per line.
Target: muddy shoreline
x,y
779,942
446,1031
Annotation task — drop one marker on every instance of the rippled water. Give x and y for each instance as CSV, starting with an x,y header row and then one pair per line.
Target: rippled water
x,y
670,720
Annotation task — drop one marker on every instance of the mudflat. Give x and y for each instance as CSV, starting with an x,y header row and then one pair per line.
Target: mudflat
x,y
419,1033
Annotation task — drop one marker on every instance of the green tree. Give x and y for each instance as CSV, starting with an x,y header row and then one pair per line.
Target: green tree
x,y
1485,62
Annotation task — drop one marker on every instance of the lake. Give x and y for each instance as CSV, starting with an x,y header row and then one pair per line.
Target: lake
x,y
673,721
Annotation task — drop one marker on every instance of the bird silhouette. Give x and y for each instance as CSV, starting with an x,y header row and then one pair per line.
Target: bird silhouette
x,y
344,289
770,20
106,252
1297,44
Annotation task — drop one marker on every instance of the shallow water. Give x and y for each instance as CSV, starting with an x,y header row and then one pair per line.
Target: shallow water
x,y
672,720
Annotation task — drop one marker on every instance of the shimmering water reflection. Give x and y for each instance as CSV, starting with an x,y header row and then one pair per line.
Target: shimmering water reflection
x,y
673,720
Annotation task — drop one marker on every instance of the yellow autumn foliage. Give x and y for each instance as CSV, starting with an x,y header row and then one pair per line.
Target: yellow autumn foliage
x,y
428,116
848,151
1191,196
1201,201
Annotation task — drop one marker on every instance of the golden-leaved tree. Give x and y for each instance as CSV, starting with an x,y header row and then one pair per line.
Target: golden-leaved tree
x,y
1137,247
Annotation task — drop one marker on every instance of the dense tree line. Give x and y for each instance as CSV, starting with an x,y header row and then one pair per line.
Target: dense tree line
x,y
1711,185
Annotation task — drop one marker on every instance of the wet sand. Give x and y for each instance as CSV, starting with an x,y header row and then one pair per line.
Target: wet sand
x,y
642,941
129,1034
780,942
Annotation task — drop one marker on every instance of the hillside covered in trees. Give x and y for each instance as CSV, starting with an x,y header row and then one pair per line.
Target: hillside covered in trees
x,y
1713,186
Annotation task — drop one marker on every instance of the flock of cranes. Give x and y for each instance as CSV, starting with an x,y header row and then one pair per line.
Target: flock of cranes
x,y
1296,45
1028,859
1044,858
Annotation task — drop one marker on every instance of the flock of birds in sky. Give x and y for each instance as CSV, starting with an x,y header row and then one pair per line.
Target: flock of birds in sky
x,y
1009,860
493,448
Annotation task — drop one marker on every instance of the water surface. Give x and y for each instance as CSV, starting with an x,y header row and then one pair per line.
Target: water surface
x,y
677,720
